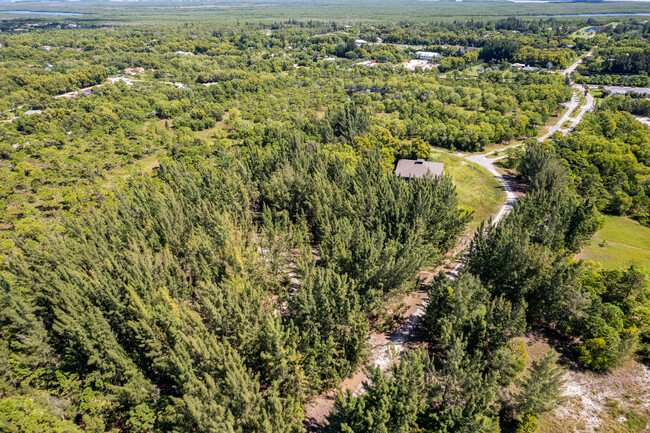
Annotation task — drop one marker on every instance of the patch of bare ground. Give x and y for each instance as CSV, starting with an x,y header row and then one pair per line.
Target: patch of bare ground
x,y
316,412
616,401
385,348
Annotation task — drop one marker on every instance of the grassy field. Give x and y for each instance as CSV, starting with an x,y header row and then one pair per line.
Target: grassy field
x,y
477,188
582,33
620,243
596,93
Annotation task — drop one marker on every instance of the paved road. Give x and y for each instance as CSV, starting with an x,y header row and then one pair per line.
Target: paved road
x,y
488,163
572,105
511,197
387,347
573,67
589,105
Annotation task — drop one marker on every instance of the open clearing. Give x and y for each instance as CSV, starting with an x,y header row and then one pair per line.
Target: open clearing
x,y
616,401
477,188
621,242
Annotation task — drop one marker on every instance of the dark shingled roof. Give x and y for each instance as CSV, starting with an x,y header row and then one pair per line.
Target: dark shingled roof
x,y
418,168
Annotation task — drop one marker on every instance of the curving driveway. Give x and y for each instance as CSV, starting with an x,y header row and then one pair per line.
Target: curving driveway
x,y
488,163
388,346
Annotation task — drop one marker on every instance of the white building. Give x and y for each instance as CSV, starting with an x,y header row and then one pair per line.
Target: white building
x,y
427,55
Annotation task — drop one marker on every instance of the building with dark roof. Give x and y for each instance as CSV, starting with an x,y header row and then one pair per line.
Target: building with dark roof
x,y
410,168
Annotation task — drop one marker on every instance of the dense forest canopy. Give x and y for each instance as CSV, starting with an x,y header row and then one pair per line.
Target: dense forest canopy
x,y
201,224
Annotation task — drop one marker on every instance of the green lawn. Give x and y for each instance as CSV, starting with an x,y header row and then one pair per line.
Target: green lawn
x,y
581,33
596,93
626,243
207,134
477,188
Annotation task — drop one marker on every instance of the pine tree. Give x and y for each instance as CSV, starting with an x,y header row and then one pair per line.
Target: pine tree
x,y
540,391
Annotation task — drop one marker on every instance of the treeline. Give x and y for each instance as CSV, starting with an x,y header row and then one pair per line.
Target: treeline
x,y
629,103
612,80
547,33
535,245
626,60
511,50
519,272
609,158
626,56
50,82
194,300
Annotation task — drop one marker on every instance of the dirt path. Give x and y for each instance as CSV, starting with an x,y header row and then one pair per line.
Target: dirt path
x,y
384,348
389,346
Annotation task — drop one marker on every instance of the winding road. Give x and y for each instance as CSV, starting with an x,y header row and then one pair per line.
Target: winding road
x,y
387,347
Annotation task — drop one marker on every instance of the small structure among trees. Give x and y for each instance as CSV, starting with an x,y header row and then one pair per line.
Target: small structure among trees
x,y
409,168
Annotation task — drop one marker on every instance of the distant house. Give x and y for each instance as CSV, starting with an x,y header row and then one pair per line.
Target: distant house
x,y
125,80
411,168
134,71
359,42
368,63
517,65
427,55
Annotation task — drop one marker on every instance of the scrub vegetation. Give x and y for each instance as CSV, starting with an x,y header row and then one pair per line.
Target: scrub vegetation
x,y
201,228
